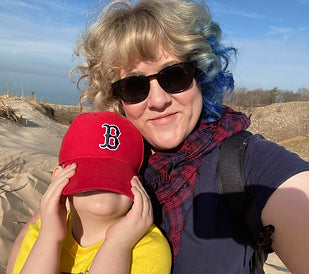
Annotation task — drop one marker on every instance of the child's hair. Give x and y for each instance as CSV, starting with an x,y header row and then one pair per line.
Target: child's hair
x,y
125,33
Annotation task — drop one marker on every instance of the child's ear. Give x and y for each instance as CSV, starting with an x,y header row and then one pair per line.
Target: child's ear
x,y
56,170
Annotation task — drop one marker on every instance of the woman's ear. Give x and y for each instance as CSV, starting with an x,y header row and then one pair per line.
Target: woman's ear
x,y
56,170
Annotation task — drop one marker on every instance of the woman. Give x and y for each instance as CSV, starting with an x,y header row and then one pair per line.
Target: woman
x,y
163,66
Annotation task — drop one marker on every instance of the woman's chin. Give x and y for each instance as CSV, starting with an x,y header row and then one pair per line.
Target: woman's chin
x,y
166,144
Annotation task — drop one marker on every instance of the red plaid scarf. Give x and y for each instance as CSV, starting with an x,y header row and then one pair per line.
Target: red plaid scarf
x,y
172,175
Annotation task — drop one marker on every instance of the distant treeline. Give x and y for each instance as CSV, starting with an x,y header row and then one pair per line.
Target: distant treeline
x,y
245,98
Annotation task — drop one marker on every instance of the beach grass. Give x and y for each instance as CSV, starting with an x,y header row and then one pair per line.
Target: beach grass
x,y
63,114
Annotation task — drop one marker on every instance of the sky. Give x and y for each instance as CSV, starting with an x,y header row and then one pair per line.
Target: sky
x,y
37,40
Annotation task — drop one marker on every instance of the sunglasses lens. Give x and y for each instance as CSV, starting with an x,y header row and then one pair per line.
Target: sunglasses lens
x,y
132,89
177,78
173,79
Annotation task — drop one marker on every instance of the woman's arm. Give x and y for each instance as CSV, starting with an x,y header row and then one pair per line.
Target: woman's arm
x,y
288,211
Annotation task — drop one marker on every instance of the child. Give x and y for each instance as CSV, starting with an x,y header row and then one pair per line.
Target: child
x,y
100,155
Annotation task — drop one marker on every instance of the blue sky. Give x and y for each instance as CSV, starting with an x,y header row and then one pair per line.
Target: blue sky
x,y
37,39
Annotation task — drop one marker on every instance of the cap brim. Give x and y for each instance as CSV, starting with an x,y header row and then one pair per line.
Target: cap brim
x,y
100,174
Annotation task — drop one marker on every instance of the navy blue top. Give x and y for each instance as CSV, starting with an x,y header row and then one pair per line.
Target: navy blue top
x,y
212,241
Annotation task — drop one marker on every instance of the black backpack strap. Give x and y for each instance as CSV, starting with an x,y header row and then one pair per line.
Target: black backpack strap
x,y
231,163
231,180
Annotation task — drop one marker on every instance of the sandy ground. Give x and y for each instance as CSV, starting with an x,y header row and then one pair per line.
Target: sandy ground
x,y
28,154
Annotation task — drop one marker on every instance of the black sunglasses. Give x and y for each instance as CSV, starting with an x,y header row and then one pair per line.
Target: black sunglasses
x,y
173,79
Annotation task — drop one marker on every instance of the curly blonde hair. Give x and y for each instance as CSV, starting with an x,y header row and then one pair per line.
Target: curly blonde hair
x,y
124,34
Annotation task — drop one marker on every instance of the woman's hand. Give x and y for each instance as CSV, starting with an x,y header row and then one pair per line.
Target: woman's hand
x,y
53,205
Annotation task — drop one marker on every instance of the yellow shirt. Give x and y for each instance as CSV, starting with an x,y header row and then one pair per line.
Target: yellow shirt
x,y
150,255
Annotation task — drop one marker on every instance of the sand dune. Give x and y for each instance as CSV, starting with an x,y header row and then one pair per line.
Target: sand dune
x,y
28,154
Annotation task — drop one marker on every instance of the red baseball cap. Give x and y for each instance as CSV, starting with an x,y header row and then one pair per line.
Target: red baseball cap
x,y
107,149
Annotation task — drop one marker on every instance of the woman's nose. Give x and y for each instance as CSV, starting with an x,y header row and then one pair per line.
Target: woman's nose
x,y
158,98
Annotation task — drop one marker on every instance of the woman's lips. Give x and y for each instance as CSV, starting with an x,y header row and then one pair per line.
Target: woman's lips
x,y
164,119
